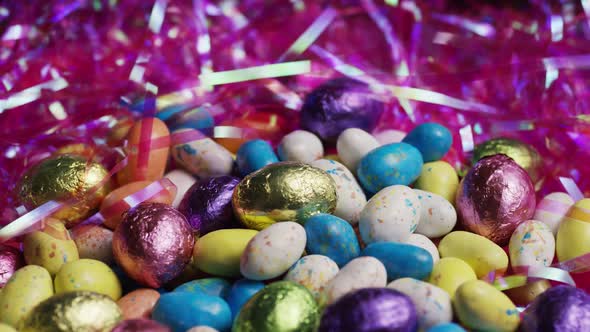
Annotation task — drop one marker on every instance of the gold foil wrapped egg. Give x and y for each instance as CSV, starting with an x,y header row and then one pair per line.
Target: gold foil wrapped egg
x,y
287,191
79,311
62,178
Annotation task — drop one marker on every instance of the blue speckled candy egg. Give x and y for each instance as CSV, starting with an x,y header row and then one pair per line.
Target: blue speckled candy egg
x,y
210,286
254,155
401,260
387,165
182,310
431,139
241,291
331,236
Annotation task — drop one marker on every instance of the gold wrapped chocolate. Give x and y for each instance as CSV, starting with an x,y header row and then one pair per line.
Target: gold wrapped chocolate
x,y
77,311
285,191
61,178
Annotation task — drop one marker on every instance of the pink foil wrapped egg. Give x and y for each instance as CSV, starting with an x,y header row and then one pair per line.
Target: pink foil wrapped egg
x,y
11,259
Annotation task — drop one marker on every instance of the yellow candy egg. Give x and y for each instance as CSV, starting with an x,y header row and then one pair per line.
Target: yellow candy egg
x,y
219,252
6,328
90,275
440,178
574,232
449,273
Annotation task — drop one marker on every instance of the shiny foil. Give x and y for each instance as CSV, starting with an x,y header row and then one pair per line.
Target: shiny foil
x,y
283,306
207,205
153,243
286,191
77,311
140,325
559,309
11,259
495,196
524,295
62,178
525,155
371,309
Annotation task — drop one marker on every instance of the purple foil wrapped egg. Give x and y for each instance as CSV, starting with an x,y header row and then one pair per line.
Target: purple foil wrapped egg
x,y
561,308
371,309
140,325
207,204
340,104
11,259
495,196
153,243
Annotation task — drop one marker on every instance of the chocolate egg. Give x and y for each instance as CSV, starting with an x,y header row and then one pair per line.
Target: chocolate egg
x,y
153,243
371,309
62,178
140,325
207,204
526,294
73,312
561,308
495,196
279,307
11,259
287,191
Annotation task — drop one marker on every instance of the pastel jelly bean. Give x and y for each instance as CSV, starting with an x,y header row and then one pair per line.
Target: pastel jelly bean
x,y
574,231
449,273
181,311
219,252
401,260
210,286
138,303
94,242
301,146
387,165
240,292
389,136
431,139
90,275
331,236
439,177
552,209
425,243
183,180
437,218
532,244
313,272
254,155
353,145
447,327
390,215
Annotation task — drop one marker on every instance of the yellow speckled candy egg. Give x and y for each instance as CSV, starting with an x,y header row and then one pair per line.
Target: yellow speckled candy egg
x,y
219,252
449,273
532,244
574,232
6,328
482,307
90,275
94,242
24,290
440,178
483,255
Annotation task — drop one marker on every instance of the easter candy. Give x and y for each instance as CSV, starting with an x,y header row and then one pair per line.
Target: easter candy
x,y
73,312
390,215
351,198
433,305
26,288
94,242
210,286
183,116
254,155
561,308
313,272
532,244
353,145
301,146
138,303
524,295
370,309
339,104
446,327
51,247
90,275
387,165
425,243
153,243
449,273
401,260
285,191
362,272
7,328
148,143
494,197
552,209
439,177
219,252
11,259
140,325
483,255
431,139
199,154
282,306
389,136
183,181
573,233
480,306
331,236
118,133
273,250
202,328
181,311
241,291
437,218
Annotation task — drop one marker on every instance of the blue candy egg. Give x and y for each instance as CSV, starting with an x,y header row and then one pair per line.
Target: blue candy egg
x,y
431,139
388,165
253,155
210,286
197,118
182,310
448,327
401,260
241,292
331,236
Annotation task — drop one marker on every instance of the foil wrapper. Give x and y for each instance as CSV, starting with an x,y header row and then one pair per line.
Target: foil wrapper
x,y
286,191
11,259
140,325
559,309
524,295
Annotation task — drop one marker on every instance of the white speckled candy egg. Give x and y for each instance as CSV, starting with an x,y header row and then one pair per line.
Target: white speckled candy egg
x,y
389,136
437,217
313,272
552,209
425,243
353,144
391,215
433,304
183,181
532,244
273,250
351,198
361,272
301,146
